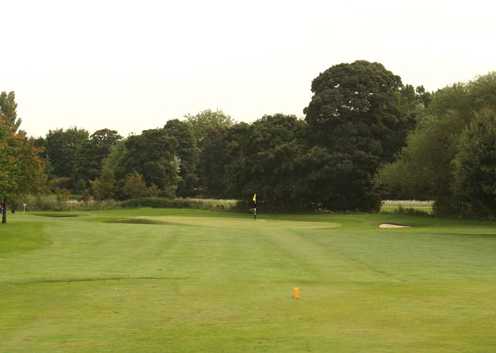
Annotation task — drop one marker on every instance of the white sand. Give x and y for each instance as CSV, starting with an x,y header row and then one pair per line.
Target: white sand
x,y
391,226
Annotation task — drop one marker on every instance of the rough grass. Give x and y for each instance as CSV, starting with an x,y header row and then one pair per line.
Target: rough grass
x,y
221,282
407,206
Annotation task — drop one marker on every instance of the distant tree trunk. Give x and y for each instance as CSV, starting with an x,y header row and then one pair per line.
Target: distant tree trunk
x,y
4,211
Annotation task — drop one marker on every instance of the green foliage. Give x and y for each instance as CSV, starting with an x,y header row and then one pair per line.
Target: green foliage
x,y
209,129
65,151
212,161
21,171
187,154
160,202
339,180
356,107
153,155
135,187
61,202
207,121
76,156
94,152
103,187
264,158
425,168
475,167
358,118
413,207
8,109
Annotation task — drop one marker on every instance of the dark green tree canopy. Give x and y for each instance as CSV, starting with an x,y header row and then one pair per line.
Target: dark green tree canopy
x,y
475,167
94,151
358,117
262,158
65,153
152,155
425,167
187,152
357,106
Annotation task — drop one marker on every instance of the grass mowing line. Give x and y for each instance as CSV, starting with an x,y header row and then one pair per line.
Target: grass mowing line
x,y
356,265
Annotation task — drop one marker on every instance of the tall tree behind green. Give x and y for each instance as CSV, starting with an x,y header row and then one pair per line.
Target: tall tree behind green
x,y
263,158
210,129
475,167
356,115
152,155
238,148
207,121
94,151
425,168
187,152
106,186
65,156
213,159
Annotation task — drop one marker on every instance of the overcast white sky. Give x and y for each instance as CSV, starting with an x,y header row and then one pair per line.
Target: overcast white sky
x,y
132,65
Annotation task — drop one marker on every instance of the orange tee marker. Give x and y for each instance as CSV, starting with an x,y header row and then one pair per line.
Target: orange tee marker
x,y
295,293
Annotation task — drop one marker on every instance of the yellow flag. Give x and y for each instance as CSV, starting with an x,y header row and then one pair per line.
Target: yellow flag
x,y
255,197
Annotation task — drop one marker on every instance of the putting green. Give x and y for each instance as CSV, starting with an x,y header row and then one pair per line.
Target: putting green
x,y
198,281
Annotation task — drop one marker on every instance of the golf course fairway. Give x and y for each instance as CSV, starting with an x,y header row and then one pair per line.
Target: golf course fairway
x,y
184,281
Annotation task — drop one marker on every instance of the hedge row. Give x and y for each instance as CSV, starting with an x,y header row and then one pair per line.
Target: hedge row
x,y
159,202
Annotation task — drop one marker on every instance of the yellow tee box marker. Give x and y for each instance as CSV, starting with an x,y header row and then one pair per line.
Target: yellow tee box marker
x,y
295,293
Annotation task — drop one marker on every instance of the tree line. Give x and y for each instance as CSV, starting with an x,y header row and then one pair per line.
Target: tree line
x,y
365,136
450,157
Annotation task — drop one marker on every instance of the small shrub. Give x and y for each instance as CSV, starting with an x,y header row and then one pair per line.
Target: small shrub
x,y
160,202
52,202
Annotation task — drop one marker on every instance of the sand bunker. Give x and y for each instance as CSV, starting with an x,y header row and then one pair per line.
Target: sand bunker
x,y
392,226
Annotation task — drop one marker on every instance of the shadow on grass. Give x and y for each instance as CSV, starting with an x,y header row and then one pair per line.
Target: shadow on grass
x,y
56,215
101,279
145,221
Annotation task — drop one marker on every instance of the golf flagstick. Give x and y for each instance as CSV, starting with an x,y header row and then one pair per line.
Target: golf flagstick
x,y
255,204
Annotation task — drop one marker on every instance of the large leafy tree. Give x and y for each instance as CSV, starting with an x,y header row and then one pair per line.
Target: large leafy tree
x,y
358,116
94,151
238,148
207,121
21,170
65,155
425,167
187,153
210,129
475,167
266,162
152,155
213,158
106,186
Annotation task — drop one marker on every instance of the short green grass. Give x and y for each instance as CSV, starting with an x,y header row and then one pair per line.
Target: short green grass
x,y
143,281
